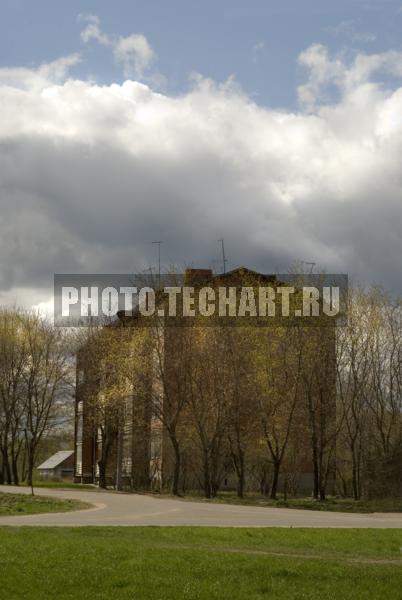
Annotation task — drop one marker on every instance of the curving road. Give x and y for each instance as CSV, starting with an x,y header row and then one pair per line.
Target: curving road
x,y
111,508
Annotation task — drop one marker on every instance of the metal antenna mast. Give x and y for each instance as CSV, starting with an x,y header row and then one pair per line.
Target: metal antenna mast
x,y
311,265
159,263
224,259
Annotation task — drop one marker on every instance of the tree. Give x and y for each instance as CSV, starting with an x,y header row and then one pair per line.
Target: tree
x,y
353,382
242,406
277,357
46,376
209,404
13,359
115,360
172,348
318,388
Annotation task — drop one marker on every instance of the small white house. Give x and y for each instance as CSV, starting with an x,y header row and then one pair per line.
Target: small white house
x,y
58,466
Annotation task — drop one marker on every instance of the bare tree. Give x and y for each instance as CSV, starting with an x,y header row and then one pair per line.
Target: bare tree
x,y
278,359
353,382
172,347
209,404
45,377
242,404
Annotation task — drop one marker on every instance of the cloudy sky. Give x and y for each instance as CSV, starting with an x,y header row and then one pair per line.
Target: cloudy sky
x,y
277,126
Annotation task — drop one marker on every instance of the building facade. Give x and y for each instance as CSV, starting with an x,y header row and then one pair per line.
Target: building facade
x,y
133,446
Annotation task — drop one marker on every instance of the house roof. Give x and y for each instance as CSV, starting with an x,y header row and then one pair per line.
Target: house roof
x,y
56,460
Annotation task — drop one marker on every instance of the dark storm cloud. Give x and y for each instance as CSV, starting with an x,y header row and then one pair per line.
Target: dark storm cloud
x,y
90,176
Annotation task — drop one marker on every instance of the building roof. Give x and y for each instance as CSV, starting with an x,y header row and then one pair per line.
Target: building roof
x,y
56,460
204,277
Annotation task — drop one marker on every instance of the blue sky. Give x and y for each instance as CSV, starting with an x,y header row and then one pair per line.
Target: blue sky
x,y
257,41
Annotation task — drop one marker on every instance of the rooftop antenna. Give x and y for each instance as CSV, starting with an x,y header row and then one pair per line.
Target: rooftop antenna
x,y
159,263
224,259
311,264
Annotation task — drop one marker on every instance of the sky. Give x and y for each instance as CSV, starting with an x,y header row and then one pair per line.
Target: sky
x,y
277,126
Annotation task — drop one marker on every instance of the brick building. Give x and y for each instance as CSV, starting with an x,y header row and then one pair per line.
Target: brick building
x,y
140,455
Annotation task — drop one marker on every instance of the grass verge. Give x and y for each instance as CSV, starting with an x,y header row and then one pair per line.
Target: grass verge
x,y
21,504
199,564
332,504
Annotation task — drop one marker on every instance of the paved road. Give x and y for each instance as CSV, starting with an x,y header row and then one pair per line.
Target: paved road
x,y
133,509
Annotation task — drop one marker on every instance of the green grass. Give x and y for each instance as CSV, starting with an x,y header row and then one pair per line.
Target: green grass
x,y
332,504
19,504
199,564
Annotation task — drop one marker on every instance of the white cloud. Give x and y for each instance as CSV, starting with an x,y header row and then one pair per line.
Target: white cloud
x,y
45,309
326,73
30,79
92,30
90,175
133,52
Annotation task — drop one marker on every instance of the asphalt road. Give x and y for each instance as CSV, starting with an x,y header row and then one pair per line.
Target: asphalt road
x,y
122,509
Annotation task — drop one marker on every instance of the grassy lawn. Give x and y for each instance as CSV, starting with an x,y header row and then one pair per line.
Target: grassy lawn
x,y
199,564
19,504
333,504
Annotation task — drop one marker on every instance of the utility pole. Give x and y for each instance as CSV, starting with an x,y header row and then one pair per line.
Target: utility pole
x,y
224,259
159,263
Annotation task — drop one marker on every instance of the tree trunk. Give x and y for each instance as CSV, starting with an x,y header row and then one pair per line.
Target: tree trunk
x,y
316,468
240,479
119,458
6,468
177,466
30,468
275,480
264,482
207,478
102,473
238,461
15,471
355,473
102,462
15,453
